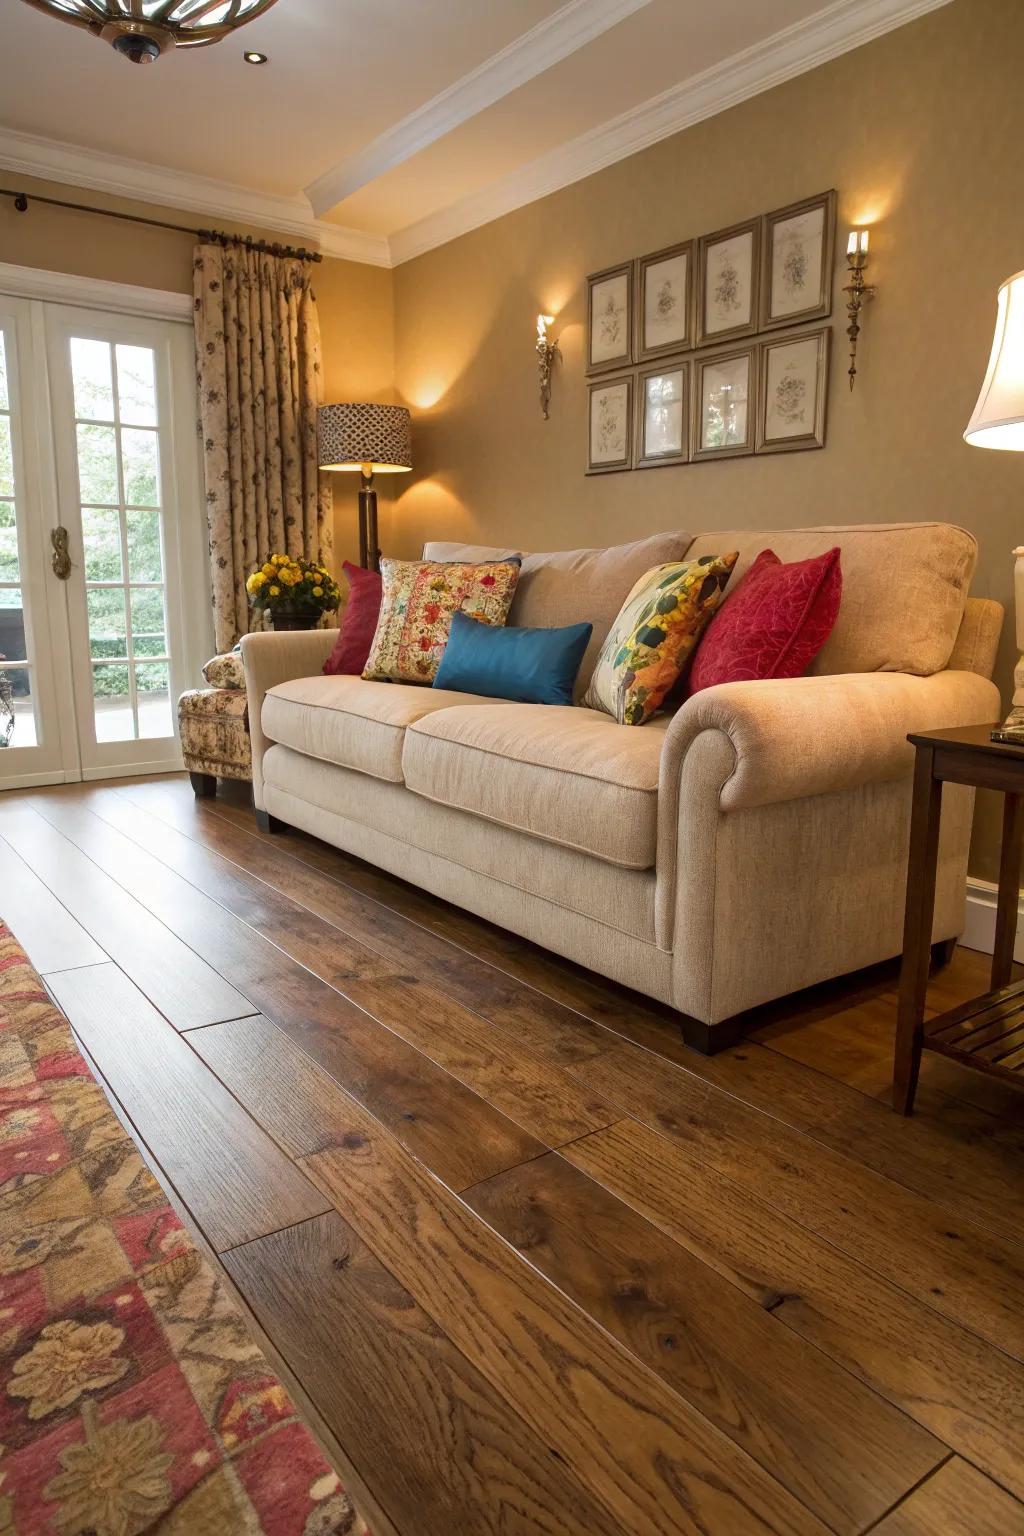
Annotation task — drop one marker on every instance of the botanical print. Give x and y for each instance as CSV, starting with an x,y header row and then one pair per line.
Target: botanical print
x,y
728,285
791,389
725,388
609,319
665,320
664,394
796,263
609,424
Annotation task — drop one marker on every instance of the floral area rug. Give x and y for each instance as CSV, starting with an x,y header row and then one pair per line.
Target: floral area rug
x,y
132,1398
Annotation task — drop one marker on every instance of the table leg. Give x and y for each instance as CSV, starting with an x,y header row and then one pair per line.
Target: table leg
x,y
917,929
1009,890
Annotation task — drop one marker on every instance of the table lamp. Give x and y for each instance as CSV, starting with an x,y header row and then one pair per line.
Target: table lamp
x,y
998,422
375,439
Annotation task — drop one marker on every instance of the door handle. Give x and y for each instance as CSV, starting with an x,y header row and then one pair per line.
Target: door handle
x,y
60,560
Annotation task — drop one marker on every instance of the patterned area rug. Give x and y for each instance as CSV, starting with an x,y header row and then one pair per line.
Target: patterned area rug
x,y
132,1397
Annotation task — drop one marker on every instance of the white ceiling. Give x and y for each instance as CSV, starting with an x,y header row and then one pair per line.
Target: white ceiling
x,y
383,127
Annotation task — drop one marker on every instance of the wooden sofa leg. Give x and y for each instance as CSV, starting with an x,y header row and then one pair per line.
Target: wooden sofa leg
x,y
204,785
942,953
709,1039
268,823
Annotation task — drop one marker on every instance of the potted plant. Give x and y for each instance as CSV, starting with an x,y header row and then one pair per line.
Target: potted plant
x,y
295,593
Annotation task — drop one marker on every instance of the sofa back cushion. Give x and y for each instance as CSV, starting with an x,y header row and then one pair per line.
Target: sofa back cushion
x,y
575,586
905,587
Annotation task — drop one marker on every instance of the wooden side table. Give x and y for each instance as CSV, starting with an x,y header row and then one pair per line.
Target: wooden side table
x,y
988,1032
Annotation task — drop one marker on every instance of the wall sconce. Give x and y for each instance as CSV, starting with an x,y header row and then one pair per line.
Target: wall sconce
x,y
547,351
858,290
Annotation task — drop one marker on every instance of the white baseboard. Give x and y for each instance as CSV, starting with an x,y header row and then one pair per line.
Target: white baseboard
x,y
980,927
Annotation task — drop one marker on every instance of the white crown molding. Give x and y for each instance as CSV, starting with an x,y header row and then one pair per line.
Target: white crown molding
x,y
94,293
835,30
551,40
29,155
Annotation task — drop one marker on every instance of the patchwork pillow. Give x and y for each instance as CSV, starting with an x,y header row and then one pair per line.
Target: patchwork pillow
x,y
358,622
226,670
654,636
774,624
416,610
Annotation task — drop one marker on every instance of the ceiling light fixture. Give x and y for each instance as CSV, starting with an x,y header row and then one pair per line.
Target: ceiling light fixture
x,y
251,57
141,30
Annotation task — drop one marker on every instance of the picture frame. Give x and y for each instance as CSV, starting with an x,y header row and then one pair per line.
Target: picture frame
x,y
664,301
723,405
793,377
797,262
728,277
610,425
610,319
663,415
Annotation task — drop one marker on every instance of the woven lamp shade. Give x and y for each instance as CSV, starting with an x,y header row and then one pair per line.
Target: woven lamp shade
x,y
353,436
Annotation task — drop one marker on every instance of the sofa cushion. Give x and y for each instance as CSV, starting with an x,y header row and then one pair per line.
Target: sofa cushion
x,y
560,772
905,586
575,586
350,721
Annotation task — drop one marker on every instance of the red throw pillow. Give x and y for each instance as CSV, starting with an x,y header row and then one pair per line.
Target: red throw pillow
x,y
358,622
774,624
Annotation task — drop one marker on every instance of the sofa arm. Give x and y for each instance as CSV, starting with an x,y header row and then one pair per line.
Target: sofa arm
x,y
797,737
275,658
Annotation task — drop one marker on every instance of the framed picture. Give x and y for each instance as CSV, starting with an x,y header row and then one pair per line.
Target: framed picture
x,y
664,302
610,426
727,273
799,247
793,391
724,404
610,319
663,411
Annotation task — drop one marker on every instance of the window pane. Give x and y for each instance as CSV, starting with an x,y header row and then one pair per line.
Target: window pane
x,y
148,637
8,542
101,538
136,386
6,458
16,696
12,625
5,398
145,562
97,464
113,705
153,685
138,450
106,622
90,369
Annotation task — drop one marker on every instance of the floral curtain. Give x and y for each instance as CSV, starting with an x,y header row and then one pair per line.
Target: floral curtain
x,y
260,382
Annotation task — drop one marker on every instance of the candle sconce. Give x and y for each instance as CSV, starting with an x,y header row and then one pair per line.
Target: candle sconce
x,y
547,351
858,291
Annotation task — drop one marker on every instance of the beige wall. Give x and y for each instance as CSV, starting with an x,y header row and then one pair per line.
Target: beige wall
x,y
355,302
922,133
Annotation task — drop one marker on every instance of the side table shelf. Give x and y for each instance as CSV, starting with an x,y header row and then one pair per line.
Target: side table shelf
x,y
987,1033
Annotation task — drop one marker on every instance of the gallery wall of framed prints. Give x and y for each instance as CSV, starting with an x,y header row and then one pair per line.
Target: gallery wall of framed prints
x,y
693,351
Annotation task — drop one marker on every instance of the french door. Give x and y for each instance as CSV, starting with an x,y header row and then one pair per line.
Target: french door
x,y
98,488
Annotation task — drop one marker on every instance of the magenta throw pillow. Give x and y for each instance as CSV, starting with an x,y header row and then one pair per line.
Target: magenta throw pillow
x,y
358,622
773,625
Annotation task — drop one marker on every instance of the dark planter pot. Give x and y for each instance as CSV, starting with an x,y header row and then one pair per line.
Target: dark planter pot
x,y
294,620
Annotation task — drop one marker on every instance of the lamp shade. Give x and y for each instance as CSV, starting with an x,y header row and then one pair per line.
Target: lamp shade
x,y
374,437
998,420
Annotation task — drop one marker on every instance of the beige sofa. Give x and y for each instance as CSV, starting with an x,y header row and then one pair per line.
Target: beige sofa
x,y
747,845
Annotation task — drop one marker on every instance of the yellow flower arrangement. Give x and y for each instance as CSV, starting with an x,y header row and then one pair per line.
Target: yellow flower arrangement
x,y
292,587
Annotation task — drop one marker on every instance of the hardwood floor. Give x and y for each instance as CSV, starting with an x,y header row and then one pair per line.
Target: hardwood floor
x,y
534,1267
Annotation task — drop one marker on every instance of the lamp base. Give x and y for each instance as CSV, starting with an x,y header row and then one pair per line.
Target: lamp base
x,y
369,553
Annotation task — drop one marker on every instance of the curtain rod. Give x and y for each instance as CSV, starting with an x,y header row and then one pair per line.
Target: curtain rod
x,y
216,236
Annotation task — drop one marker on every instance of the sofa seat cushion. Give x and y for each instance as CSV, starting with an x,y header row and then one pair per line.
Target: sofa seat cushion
x,y
563,773
350,721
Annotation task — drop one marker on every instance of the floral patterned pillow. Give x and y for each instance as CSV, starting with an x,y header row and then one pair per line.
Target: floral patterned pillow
x,y
654,636
416,610
225,671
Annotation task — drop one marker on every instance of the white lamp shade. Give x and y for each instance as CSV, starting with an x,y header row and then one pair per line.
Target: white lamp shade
x,y
998,420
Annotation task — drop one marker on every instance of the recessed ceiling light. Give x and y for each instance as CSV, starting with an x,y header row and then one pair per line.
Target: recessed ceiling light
x,y
255,58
